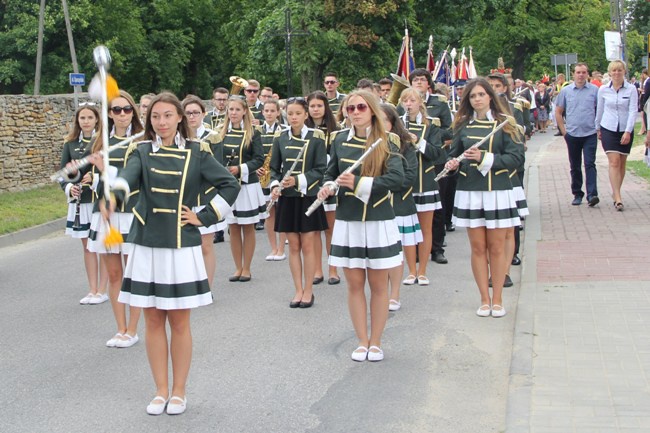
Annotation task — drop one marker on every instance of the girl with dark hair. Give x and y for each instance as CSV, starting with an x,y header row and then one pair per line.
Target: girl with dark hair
x,y
80,196
485,202
298,192
123,121
321,117
403,204
366,240
166,274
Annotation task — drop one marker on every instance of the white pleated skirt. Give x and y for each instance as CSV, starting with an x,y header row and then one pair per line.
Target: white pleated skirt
x,y
427,201
409,229
98,228
165,278
490,209
520,198
250,206
366,245
85,218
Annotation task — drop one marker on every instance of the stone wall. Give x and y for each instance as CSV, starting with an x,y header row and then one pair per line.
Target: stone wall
x,y
32,129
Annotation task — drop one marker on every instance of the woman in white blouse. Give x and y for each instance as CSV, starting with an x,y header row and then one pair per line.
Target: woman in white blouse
x,y
615,118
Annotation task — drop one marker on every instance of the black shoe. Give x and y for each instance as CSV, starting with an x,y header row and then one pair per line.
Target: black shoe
x,y
307,304
259,225
451,227
244,279
440,258
294,304
557,134
318,280
333,280
508,282
577,201
593,201
218,237
234,278
516,261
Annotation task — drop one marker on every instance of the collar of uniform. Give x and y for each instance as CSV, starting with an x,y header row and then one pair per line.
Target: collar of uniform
x,y
418,118
269,128
488,115
258,103
352,130
241,125
128,131
200,131
214,112
178,140
303,132
81,135
426,97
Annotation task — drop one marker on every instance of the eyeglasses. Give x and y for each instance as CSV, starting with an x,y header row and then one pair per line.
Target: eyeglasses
x,y
419,80
193,113
251,90
361,107
220,100
118,110
330,82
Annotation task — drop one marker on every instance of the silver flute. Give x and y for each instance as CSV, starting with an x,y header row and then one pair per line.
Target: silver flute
x,y
66,172
288,174
334,186
461,157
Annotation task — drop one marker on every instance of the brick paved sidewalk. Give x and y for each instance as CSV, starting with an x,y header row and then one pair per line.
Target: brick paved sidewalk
x,y
581,358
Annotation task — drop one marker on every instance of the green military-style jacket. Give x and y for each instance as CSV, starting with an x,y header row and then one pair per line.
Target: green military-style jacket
x,y
213,120
117,158
248,157
75,150
171,177
309,170
518,113
402,200
505,153
346,150
268,134
437,107
256,111
429,152
335,103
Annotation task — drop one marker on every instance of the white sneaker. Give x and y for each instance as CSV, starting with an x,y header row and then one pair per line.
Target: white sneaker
x,y
86,299
113,341
176,405
99,298
394,305
130,341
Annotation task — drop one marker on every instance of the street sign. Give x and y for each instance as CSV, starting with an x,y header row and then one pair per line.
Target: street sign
x,y
77,79
564,59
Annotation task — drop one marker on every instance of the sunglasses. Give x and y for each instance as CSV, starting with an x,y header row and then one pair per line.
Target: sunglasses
x,y
295,99
118,110
361,107
330,82
89,104
251,90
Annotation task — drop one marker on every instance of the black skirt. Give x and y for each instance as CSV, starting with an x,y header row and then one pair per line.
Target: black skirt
x,y
290,216
611,141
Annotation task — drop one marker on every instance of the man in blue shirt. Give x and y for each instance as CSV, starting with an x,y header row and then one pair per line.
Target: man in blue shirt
x,y
577,102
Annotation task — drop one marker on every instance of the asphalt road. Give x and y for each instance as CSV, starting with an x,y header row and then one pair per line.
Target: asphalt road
x,y
257,366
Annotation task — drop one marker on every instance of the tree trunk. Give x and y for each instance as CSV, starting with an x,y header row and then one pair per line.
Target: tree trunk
x,y
518,65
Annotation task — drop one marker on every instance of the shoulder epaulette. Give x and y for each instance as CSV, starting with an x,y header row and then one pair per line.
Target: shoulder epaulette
x,y
212,137
319,134
394,139
134,145
277,132
517,106
335,133
435,121
205,147
525,103
259,128
206,125
441,98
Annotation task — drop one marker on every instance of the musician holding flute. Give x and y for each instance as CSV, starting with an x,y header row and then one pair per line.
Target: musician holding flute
x,y
123,122
485,202
366,240
298,162
81,198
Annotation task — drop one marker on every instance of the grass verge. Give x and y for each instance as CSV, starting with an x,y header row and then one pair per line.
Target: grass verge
x,y
19,210
640,169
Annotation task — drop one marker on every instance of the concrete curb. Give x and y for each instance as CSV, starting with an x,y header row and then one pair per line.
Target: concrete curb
x,y
32,233
518,407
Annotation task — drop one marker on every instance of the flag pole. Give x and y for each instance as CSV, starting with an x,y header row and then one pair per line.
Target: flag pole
x,y
442,58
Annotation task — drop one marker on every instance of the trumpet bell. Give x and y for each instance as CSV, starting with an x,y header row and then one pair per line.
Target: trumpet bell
x,y
238,83
399,84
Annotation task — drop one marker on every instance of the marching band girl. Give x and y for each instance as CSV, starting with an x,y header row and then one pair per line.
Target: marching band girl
x,y
81,198
366,240
321,117
165,274
428,140
195,112
123,121
403,204
299,189
242,148
270,128
485,202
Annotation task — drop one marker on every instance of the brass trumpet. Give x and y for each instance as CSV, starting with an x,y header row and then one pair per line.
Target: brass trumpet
x,y
238,83
399,84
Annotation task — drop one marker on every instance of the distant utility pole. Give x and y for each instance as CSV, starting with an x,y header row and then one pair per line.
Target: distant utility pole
x,y
288,33
617,14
